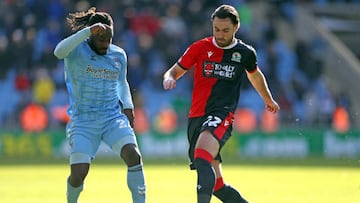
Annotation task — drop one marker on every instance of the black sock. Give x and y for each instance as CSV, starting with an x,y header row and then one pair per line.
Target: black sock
x,y
228,194
205,181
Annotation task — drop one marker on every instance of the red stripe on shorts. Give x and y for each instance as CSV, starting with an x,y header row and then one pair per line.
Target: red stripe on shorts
x,y
222,128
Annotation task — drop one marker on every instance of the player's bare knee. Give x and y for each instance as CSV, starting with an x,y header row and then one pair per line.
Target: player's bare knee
x,y
78,173
131,155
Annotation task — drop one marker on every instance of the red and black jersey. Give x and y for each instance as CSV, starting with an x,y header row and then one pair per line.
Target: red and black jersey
x,y
218,73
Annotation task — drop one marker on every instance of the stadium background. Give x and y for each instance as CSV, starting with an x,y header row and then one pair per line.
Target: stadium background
x,y
307,50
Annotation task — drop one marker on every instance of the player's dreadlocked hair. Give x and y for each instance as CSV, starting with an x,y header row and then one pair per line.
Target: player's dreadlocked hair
x,y
80,20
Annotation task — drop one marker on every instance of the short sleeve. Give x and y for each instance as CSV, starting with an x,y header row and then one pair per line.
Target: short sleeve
x,y
188,59
251,63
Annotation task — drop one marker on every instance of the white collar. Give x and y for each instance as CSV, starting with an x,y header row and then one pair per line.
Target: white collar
x,y
227,47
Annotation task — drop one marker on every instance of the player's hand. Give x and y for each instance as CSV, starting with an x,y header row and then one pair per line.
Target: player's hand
x,y
169,83
130,115
100,29
272,106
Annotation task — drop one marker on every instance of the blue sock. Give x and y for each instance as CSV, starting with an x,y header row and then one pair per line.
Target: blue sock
x,y
206,180
136,183
72,193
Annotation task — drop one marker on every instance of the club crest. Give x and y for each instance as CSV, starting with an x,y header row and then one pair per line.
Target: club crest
x,y
236,56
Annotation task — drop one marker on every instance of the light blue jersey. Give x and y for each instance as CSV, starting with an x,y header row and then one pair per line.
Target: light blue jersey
x,y
95,84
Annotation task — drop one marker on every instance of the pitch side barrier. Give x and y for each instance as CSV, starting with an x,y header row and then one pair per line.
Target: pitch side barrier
x,y
281,144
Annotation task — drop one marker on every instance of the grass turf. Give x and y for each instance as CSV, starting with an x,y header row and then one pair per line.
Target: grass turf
x,y
175,183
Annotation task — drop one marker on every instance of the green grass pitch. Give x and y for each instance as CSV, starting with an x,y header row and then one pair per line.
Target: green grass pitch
x,y
175,183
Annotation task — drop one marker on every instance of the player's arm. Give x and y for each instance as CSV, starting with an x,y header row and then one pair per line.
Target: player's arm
x,y
171,75
125,95
67,45
130,115
258,81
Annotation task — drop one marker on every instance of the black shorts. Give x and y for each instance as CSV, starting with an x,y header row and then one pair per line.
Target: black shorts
x,y
218,123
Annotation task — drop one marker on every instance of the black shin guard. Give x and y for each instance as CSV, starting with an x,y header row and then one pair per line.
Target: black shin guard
x,y
228,194
205,181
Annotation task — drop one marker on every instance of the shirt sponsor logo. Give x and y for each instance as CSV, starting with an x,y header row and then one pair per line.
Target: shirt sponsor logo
x,y
222,71
208,69
101,73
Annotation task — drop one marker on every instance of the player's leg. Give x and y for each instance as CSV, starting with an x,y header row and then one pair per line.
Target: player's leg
x,y
83,146
129,152
122,140
75,181
135,174
207,147
225,192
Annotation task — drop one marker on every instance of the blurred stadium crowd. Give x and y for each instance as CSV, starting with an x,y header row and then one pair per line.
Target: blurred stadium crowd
x,y
154,34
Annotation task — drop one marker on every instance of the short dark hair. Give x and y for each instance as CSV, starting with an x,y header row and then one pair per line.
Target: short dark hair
x,y
226,11
80,20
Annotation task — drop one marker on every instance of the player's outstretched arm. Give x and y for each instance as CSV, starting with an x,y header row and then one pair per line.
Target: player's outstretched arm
x,y
64,47
258,81
171,75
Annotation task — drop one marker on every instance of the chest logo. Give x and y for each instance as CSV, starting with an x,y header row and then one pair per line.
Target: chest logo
x,y
236,56
208,69
116,62
209,53
219,70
